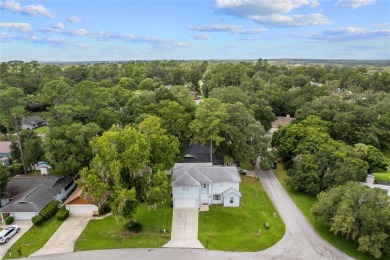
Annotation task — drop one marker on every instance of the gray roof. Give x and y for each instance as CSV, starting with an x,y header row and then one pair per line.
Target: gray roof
x,y
231,190
32,120
33,193
197,173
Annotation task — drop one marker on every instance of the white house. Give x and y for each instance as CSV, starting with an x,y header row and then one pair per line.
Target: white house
x,y
199,184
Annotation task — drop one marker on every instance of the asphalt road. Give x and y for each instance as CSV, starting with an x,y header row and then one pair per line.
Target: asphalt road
x,y
299,242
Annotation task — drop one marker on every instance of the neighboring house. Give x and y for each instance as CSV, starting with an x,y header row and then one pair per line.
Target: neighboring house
x,y
197,184
197,153
79,205
4,161
282,120
5,148
33,122
25,196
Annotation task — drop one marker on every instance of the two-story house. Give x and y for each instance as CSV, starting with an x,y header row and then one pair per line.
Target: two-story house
x,y
199,184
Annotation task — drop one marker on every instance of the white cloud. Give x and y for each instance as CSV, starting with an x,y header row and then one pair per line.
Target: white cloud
x,y
235,29
201,37
74,19
272,13
24,27
349,33
353,3
78,32
279,20
30,10
59,26
245,8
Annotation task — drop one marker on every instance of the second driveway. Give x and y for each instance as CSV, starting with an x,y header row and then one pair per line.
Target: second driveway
x,y
62,241
184,229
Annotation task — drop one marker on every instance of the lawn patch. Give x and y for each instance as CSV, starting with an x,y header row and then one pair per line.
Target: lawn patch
x,y
42,129
304,202
108,234
243,228
35,238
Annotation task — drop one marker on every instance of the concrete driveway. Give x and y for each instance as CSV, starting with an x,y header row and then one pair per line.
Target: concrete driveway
x,y
184,232
24,227
62,241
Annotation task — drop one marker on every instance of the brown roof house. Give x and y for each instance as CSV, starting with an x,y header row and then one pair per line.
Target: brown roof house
x,y
79,205
25,196
282,120
5,152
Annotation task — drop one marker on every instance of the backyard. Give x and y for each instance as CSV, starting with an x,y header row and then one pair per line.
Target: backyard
x,y
107,233
243,228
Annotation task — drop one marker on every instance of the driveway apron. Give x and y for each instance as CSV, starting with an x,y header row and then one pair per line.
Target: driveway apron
x,y
62,241
184,229
24,227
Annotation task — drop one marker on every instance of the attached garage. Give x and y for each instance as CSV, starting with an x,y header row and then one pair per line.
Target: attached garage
x,y
185,203
23,215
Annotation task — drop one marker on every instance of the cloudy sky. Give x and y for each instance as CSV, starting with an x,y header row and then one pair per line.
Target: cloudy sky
x,y
58,30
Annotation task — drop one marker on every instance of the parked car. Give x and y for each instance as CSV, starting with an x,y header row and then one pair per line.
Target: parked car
x,y
242,171
273,166
8,232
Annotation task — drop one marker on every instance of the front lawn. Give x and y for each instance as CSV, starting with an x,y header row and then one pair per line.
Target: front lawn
x,y
243,228
304,202
35,238
107,234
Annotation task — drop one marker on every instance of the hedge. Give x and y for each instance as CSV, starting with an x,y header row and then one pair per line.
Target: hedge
x,y
46,213
62,214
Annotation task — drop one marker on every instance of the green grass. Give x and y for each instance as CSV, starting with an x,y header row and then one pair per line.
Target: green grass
x,y
242,228
304,202
35,238
383,176
107,234
42,129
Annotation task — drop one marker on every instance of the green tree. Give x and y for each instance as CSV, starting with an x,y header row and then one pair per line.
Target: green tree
x,y
32,147
67,147
373,156
159,189
210,121
4,177
358,213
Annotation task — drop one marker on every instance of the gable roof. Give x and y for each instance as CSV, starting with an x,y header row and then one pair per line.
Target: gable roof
x,y
231,190
5,146
33,193
78,193
32,120
21,183
194,174
200,153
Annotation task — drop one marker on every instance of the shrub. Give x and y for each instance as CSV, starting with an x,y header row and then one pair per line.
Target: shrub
x,y
133,226
62,214
37,220
104,209
9,220
46,213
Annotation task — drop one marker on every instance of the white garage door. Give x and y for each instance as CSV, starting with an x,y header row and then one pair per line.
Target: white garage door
x,y
185,203
24,215
81,210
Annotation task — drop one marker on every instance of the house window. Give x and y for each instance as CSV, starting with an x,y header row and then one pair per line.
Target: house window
x,y
204,185
231,199
217,197
185,188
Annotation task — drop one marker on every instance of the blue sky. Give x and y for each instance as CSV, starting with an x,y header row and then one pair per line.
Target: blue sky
x,y
87,30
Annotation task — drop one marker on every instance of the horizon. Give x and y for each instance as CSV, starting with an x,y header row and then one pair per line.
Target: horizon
x,y
92,30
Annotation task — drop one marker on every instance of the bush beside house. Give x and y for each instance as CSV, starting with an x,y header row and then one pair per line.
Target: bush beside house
x,y
46,213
